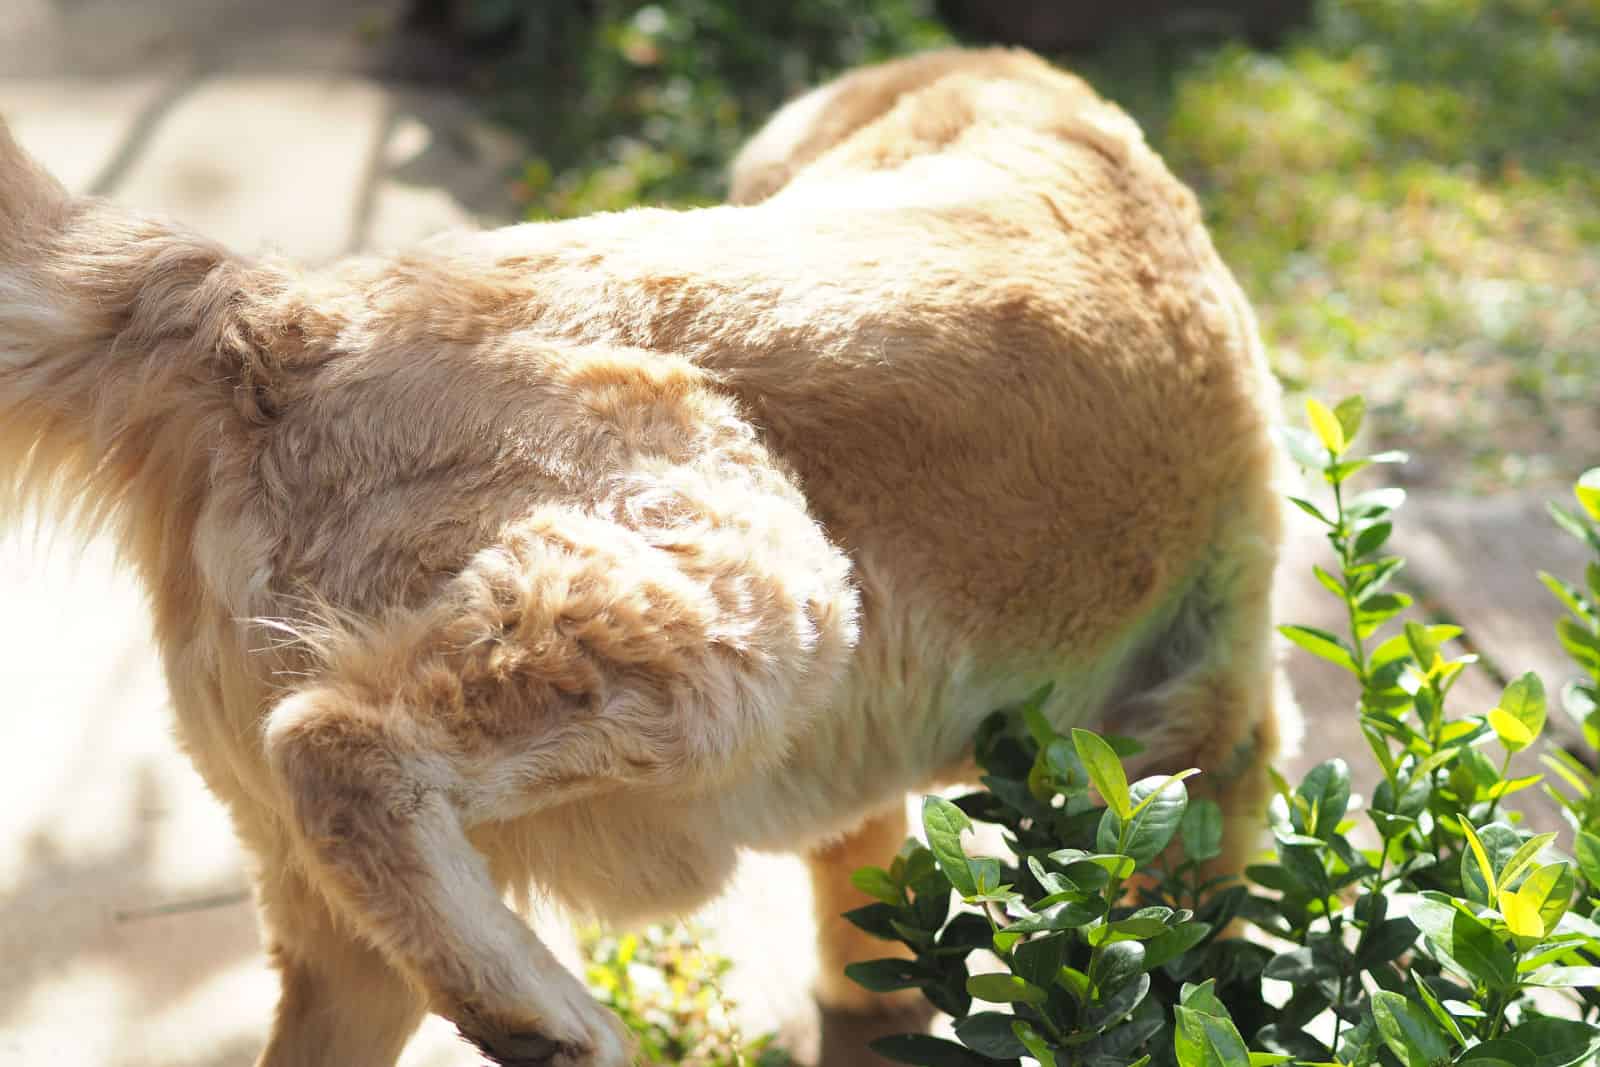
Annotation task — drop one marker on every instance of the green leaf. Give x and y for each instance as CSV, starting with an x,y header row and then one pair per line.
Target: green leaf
x,y
1326,791
1037,1047
1372,538
1424,645
1037,961
1160,801
1067,915
1202,997
1372,612
1575,526
886,976
1105,770
1204,1040
1375,502
1569,595
875,919
1303,446
1386,941
1349,412
1523,858
1543,1042
1564,977
875,882
1322,643
1175,942
1115,965
1549,889
1587,490
1032,710
1201,830
1437,1010
988,1033
1581,643
923,1050
1077,863
1311,509
943,822
1325,424
1004,989
1499,843
1521,714
1409,1031
1588,856
1484,956
1485,868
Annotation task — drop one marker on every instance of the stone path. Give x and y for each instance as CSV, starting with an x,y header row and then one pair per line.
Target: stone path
x,y
124,928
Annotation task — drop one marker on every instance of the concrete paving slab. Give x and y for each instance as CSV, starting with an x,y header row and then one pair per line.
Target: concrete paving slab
x,y
108,38
275,160
441,167
81,129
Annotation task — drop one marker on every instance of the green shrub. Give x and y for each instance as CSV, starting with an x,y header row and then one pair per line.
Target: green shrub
x,y
1423,949
645,102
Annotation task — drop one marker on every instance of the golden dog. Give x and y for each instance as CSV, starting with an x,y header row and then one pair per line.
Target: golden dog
x,y
586,554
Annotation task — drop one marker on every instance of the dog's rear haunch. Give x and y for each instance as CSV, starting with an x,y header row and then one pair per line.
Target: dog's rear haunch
x,y
586,554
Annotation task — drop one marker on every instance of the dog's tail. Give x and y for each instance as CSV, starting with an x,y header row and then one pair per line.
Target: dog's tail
x,y
123,353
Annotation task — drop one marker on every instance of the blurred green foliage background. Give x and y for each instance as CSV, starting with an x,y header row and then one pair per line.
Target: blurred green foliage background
x,y
1409,190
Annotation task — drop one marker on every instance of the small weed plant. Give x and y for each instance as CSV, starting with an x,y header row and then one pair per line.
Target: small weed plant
x,y
1422,927
668,991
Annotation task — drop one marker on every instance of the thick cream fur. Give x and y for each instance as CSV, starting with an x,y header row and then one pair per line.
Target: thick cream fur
x,y
585,554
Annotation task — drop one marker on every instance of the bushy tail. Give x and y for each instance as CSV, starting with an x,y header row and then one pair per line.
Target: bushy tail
x,y
123,352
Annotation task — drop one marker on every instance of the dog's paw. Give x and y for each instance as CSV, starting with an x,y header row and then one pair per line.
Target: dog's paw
x,y
597,1040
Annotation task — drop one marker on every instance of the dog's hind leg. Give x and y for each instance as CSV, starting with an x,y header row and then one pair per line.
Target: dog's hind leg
x,y
382,831
840,942
579,659
342,1003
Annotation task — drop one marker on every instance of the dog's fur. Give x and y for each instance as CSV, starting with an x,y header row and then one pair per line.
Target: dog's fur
x,y
586,554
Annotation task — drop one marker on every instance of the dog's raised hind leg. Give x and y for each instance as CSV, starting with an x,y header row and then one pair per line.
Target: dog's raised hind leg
x,y
380,829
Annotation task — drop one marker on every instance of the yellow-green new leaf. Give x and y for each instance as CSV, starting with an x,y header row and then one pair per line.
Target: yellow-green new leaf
x,y
1482,857
1105,770
1522,701
1328,429
1588,492
1522,914
1510,730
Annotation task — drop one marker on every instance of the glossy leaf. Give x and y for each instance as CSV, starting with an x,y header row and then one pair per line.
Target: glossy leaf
x,y
924,1050
943,823
1004,989
1160,801
1204,1040
1201,830
988,1033
1105,770
1323,644
1409,1031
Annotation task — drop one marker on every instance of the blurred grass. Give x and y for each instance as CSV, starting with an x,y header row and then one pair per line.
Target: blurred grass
x,y
1409,190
